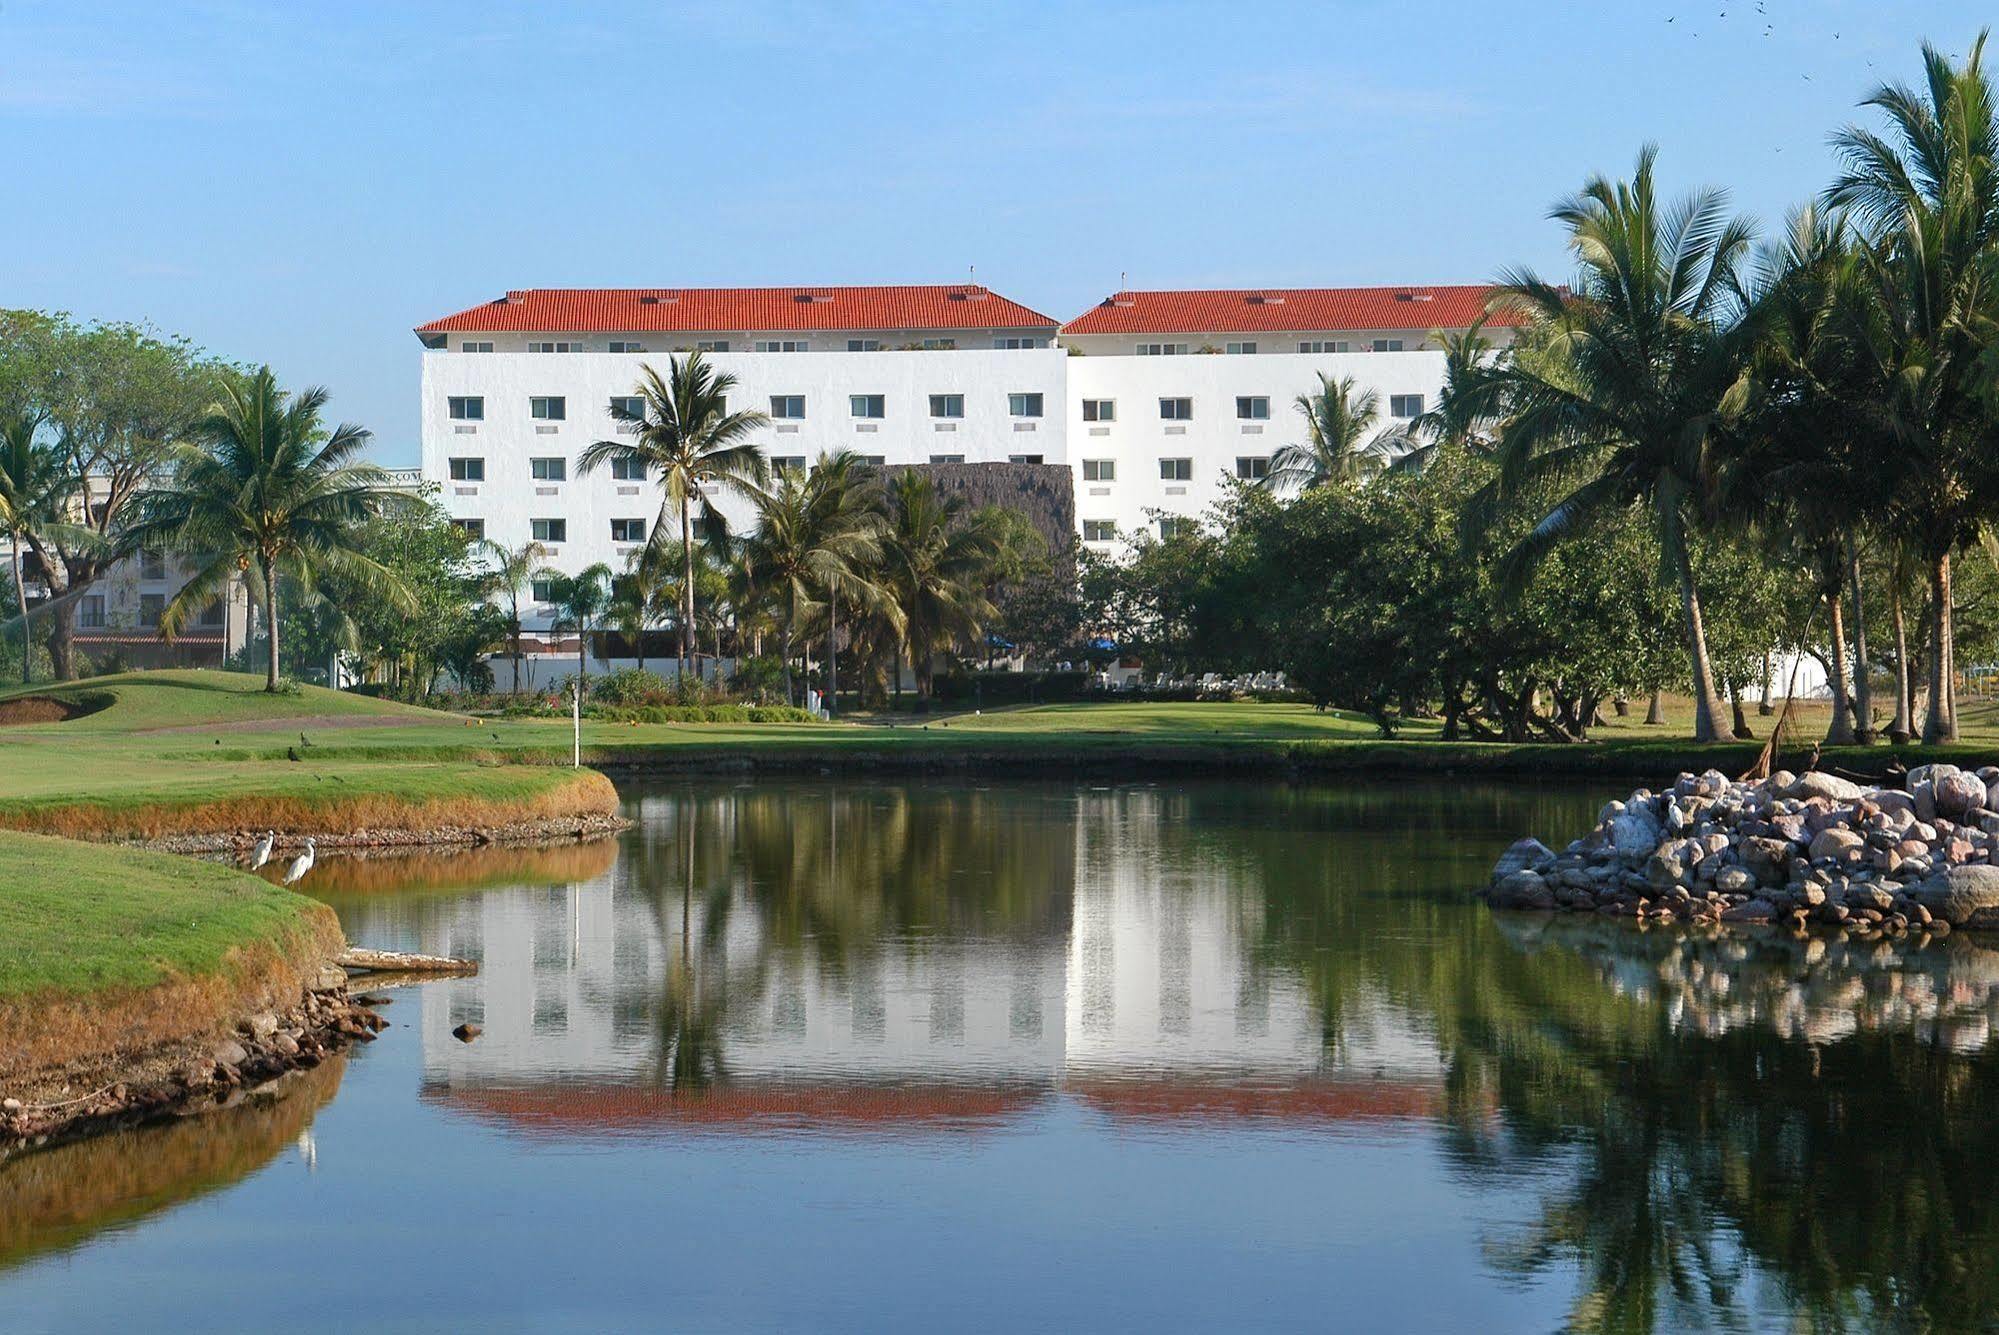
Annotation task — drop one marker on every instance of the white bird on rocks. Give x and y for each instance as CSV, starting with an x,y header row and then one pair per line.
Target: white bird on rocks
x,y
300,864
263,850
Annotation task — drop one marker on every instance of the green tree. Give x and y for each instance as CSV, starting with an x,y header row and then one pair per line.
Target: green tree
x,y
1340,443
271,490
939,558
686,436
509,570
580,601
34,488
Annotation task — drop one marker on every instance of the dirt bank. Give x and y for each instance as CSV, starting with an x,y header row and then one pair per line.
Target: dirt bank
x,y
542,832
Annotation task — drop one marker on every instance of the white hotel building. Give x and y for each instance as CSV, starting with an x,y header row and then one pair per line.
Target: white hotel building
x,y
515,389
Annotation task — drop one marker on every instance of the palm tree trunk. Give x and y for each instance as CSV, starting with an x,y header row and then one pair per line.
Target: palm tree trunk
x,y
784,647
1707,705
1941,723
1904,726
21,597
686,589
582,650
1840,731
271,619
832,651
1863,686
1766,706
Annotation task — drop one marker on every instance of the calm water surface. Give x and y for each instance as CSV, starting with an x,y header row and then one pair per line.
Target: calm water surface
x,y
796,1056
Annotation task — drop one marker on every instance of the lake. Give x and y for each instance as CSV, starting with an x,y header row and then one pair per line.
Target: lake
x,y
854,1056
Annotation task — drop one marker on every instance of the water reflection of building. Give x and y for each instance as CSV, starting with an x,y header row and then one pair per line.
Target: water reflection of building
x,y
1121,964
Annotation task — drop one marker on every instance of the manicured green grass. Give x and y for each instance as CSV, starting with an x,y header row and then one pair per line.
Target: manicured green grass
x,y
80,918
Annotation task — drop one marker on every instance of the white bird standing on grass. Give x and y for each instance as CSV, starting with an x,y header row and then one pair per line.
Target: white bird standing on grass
x,y
300,864
262,854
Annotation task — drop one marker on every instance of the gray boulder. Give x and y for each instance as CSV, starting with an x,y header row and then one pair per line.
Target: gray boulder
x,y
1634,833
1521,890
1959,795
1522,855
1817,783
1956,893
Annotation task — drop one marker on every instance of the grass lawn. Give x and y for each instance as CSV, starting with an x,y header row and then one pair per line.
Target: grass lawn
x,y
85,918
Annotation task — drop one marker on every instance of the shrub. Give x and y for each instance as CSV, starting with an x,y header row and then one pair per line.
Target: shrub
x,y
1011,688
630,686
758,679
698,714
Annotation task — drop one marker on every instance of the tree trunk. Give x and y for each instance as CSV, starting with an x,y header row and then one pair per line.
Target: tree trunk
x,y
832,650
1863,686
1904,726
1707,704
271,618
1941,724
21,597
1742,733
1766,706
1655,712
1840,731
784,647
62,641
582,654
686,589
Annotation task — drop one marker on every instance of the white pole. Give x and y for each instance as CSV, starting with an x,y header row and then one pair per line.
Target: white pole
x,y
576,725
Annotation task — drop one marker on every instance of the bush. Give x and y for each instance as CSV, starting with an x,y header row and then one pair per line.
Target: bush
x,y
630,686
1011,688
697,714
758,679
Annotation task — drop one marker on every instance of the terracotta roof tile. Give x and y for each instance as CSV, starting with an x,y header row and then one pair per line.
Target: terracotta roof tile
x,y
742,310
1301,309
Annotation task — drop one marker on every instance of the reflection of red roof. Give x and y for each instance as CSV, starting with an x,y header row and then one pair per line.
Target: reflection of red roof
x,y
1302,309
612,1108
742,310
1312,1101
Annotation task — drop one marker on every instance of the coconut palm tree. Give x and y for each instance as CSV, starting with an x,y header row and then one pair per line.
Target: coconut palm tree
x,y
33,488
1463,413
1340,444
938,561
1928,195
814,533
268,489
580,601
512,569
687,438
1626,409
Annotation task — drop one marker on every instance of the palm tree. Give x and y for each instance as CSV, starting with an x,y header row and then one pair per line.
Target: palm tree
x,y
1461,416
939,560
269,489
1929,196
1641,359
512,570
580,600
1339,439
33,486
689,439
814,534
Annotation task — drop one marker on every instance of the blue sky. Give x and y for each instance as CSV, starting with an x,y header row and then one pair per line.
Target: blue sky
x,y
300,184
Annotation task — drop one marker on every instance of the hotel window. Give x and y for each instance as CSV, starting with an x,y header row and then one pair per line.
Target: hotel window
x,y
1252,407
1171,527
628,470
1011,343
152,564
90,612
1161,349
211,615
628,530
1323,345
1176,470
711,345
783,345
549,470
1099,470
1239,348
628,407
947,458
477,345
947,405
548,407
1388,345
1099,410
1099,530
151,607
864,345
542,590
555,347
874,460
468,470
787,406
1405,405
1252,468
1023,405
467,408
939,344
1023,458
617,345
788,463
548,530
867,405
473,529
1176,410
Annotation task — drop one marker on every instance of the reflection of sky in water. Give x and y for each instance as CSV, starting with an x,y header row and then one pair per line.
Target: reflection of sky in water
x,y
865,1056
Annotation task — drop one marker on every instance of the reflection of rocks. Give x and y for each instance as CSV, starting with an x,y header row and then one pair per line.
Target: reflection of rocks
x,y
1820,989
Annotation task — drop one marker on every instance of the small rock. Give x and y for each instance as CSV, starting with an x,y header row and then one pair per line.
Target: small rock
x,y
231,1053
465,1033
262,1025
1833,842
1817,783
1959,795
10,1105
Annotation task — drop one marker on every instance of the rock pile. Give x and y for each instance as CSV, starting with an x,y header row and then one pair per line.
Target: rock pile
x,y
1795,849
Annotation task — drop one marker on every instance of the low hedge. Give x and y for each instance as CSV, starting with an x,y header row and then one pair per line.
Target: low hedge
x,y
697,714
1011,688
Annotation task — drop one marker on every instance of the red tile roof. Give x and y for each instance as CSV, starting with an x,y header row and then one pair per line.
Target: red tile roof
x,y
741,309
1304,309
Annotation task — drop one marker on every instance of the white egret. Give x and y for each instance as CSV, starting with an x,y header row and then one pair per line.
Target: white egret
x,y
263,850
300,864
